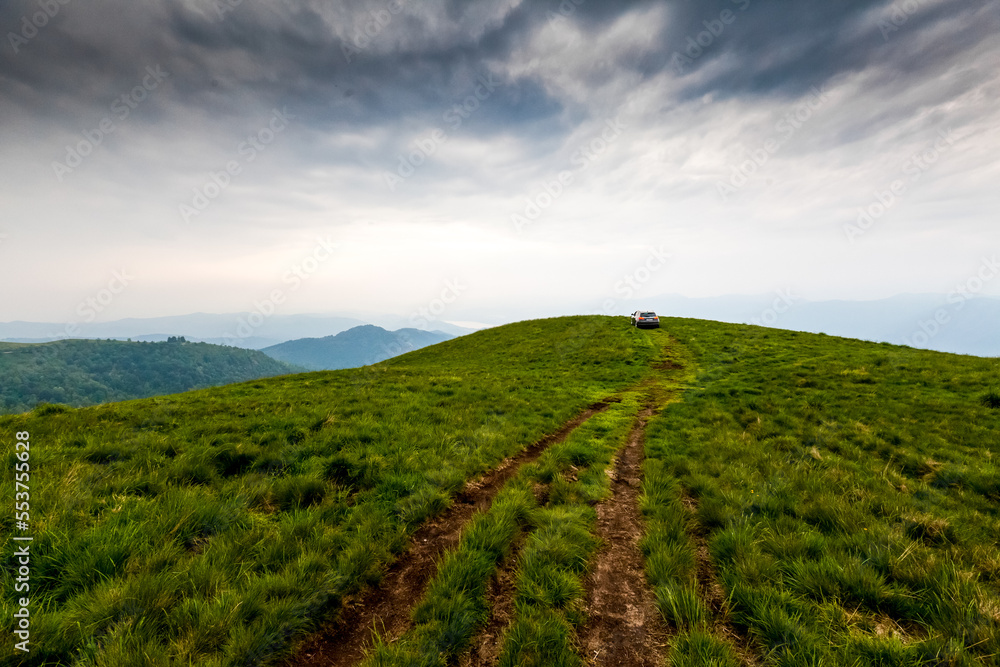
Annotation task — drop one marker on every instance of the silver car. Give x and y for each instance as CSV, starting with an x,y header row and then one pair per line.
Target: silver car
x,y
645,319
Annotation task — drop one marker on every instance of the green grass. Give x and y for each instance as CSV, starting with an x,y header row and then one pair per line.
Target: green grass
x,y
549,597
550,591
215,527
848,492
698,648
455,603
558,541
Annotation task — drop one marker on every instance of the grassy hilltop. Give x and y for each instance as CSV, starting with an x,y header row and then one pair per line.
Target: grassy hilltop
x,y
804,500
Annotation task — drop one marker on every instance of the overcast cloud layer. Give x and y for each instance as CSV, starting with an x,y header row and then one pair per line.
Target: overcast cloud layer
x,y
490,160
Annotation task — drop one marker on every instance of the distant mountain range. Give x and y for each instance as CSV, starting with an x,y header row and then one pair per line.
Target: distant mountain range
x,y
948,323
236,330
244,330
355,347
86,372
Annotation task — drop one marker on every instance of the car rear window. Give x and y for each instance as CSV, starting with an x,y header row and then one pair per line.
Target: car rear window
x,y
647,314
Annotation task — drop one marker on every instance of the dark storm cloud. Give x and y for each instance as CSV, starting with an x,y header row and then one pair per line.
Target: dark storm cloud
x,y
364,63
786,48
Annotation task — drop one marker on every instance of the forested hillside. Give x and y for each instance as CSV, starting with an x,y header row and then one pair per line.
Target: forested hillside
x,y
87,372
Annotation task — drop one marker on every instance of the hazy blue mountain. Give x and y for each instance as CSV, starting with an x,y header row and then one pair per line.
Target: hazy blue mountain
x,y
86,372
355,347
235,329
931,321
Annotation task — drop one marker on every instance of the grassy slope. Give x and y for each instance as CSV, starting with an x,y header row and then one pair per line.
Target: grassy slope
x,y
214,526
849,493
86,372
570,476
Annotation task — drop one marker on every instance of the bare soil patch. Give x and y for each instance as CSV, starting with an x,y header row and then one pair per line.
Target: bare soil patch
x,y
667,365
624,625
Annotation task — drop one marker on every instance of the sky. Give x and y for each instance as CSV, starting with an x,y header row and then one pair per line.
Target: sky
x,y
488,160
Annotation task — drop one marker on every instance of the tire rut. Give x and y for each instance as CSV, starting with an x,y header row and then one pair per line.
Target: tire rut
x,y
487,645
714,596
386,608
624,625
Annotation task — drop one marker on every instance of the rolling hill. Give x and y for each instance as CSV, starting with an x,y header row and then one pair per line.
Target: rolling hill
x,y
85,372
359,346
532,494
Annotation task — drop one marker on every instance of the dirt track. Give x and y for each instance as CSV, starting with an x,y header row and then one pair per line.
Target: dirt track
x,y
624,626
387,607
